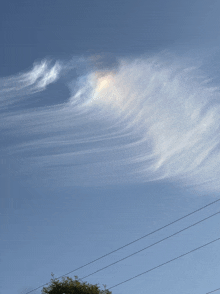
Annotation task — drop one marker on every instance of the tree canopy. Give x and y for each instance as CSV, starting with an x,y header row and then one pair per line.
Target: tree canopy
x,y
69,286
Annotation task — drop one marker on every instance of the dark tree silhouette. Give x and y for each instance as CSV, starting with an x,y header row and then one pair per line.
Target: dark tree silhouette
x,y
69,286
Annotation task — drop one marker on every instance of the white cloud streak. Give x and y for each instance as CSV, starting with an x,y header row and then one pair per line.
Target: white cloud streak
x,y
148,119
15,88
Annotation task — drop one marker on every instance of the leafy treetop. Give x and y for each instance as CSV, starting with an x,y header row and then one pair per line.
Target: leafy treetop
x,y
70,286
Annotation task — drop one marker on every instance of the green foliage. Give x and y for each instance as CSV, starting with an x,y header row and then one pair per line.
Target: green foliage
x,y
70,286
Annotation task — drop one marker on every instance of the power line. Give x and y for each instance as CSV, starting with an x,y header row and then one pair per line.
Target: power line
x,y
213,291
162,264
151,245
136,240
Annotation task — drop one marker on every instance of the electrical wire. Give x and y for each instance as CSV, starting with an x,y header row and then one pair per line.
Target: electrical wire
x,y
136,240
162,264
151,245
213,291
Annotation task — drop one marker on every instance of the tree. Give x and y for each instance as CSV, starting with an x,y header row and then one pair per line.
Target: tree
x,y
70,286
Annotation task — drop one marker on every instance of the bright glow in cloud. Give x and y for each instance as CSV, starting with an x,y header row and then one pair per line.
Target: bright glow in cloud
x,y
150,119
103,83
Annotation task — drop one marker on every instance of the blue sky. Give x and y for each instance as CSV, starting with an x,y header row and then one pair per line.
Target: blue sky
x,y
109,123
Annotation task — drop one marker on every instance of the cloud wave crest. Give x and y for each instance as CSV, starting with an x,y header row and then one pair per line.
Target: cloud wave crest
x,y
147,119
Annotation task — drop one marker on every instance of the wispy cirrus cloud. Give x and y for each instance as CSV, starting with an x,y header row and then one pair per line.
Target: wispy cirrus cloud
x,y
147,119
24,84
